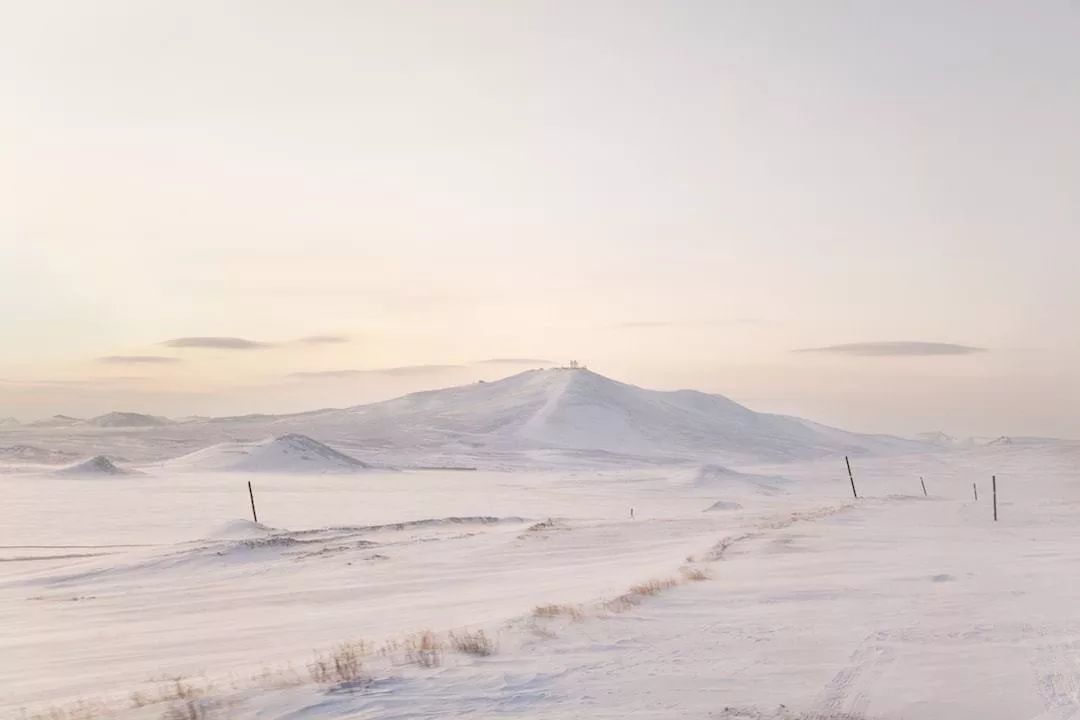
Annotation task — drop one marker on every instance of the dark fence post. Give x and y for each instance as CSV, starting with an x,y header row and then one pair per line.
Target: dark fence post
x,y
251,494
993,479
923,482
851,477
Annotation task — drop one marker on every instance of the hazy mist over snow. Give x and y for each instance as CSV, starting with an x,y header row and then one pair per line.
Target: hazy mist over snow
x,y
680,195
539,359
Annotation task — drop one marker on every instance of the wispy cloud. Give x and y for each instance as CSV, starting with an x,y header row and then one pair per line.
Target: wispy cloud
x,y
407,370
138,359
217,343
238,343
896,348
515,361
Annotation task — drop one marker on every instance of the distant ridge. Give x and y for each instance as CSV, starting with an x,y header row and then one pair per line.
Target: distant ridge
x,y
128,419
56,421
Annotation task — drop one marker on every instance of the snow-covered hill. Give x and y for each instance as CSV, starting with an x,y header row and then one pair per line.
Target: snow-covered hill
x,y
286,454
128,419
56,421
579,410
533,419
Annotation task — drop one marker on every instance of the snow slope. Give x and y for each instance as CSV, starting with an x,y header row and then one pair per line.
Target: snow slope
x,y
290,453
580,410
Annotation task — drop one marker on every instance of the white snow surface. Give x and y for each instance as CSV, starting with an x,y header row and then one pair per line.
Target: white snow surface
x,y
780,596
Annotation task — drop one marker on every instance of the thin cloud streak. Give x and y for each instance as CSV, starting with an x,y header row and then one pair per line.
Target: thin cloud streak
x,y
138,359
896,348
323,340
405,371
217,343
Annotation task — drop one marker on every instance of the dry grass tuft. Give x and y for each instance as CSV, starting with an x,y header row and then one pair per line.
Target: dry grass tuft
x,y
81,710
472,643
653,587
176,689
574,612
637,593
341,666
424,649
694,574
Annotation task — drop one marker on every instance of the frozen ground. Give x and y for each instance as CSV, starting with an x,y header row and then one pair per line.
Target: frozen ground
x,y
815,605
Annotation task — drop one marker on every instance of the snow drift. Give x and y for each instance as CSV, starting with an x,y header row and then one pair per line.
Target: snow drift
x,y
97,465
285,454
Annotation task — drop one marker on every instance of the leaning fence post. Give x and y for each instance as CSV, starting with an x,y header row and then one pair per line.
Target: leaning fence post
x,y
993,480
975,487
923,482
251,494
851,477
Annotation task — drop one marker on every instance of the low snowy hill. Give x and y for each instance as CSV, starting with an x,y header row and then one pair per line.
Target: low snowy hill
x,y
286,454
579,410
36,455
98,465
9,422
128,419
56,421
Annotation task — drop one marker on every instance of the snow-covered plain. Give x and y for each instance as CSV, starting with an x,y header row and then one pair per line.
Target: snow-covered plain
x,y
778,595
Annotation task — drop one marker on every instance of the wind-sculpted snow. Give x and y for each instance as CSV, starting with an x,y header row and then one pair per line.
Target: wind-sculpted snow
x,y
97,465
287,453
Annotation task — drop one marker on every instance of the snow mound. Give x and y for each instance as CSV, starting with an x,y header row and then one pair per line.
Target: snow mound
x,y
9,422
723,505
128,419
292,453
97,465
241,530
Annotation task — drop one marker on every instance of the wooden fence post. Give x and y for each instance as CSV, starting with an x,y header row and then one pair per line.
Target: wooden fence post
x,y
993,480
923,482
851,477
251,494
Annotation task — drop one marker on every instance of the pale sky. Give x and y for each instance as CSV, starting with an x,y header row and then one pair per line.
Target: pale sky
x,y
680,194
